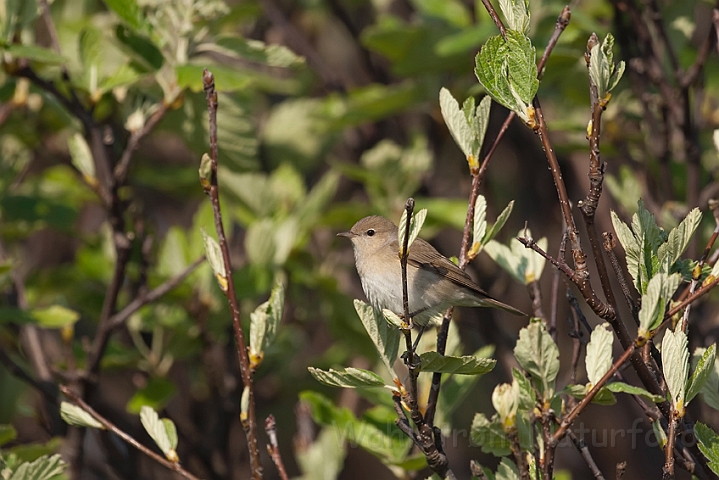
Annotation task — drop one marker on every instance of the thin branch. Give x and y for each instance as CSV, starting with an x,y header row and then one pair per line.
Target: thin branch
x,y
249,422
175,467
580,260
569,419
118,319
586,455
495,18
426,437
609,243
42,387
273,448
552,324
668,469
122,167
561,24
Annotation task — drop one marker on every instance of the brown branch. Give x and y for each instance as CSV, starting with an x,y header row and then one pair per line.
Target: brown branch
x,y
122,167
426,438
495,18
249,423
561,24
580,261
569,419
174,466
586,455
668,469
118,319
609,243
273,448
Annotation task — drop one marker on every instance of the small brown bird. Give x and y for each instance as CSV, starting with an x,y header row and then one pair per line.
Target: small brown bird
x,y
434,283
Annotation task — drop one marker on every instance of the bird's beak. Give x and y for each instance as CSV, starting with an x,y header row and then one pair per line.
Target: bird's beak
x,y
346,234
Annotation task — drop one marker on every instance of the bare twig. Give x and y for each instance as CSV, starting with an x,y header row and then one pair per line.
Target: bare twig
x,y
103,334
569,419
552,324
273,448
586,455
174,466
122,167
426,438
495,18
668,469
609,243
249,422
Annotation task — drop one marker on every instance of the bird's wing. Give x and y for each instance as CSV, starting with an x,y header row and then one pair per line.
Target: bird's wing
x,y
428,258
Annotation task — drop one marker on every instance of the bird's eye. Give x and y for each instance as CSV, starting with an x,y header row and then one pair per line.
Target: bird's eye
x,y
370,232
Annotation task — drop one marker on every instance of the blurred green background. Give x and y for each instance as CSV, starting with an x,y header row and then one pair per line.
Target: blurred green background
x,y
328,111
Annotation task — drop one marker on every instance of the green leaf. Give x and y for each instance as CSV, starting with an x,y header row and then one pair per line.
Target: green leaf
x,y
704,368
384,337
524,264
675,365
603,397
465,365
393,319
7,434
508,71
35,53
602,69
129,12
264,322
215,259
55,316
479,226
497,226
82,157
155,394
527,396
507,470
171,432
155,427
505,400
44,468
599,353
631,246
708,445
457,123
489,436
659,434
453,12
710,390
253,50
517,14
323,458
621,387
74,415
659,291
375,432
17,15
537,353
140,48
415,225
227,79
347,377
678,240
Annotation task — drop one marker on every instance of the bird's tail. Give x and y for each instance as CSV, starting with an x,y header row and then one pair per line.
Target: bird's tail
x,y
491,302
